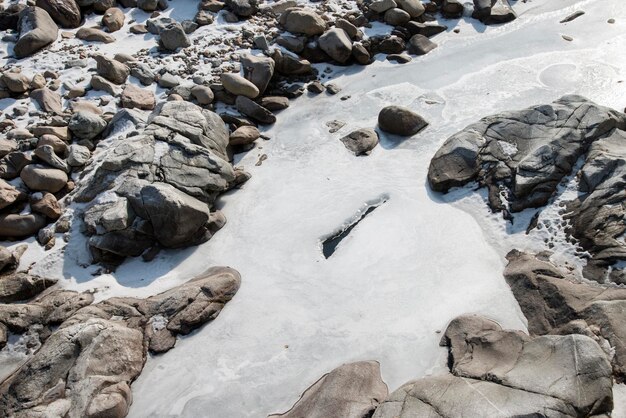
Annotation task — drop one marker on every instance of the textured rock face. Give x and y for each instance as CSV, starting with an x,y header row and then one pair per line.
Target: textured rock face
x,y
361,142
349,391
336,43
524,155
37,30
507,373
65,12
85,367
554,302
304,21
166,180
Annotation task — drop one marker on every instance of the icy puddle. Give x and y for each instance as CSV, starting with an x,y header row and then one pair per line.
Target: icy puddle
x,y
407,268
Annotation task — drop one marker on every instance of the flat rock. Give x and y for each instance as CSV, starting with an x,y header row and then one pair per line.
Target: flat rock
x,y
361,142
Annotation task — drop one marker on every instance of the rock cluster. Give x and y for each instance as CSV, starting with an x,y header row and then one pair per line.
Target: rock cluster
x,y
91,353
522,157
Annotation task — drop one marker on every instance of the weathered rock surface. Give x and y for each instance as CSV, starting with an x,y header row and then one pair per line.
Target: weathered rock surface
x,y
303,20
136,97
399,120
167,176
86,125
173,37
37,30
64,12
555,302
353,390
507,373
258,70
362,141
493,11
111,69
91,353
522,156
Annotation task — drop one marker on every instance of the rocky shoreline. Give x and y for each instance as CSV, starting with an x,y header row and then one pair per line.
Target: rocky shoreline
x,y
133,151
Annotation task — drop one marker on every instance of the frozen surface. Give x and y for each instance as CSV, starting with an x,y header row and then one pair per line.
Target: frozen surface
x,y
408,268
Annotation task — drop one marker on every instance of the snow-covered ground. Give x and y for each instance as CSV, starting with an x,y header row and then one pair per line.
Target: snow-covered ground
x,y
409,267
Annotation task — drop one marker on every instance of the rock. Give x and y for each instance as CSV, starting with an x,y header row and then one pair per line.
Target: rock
x,y
238,85
99,6
13,163
493,11
289,65
361,142
392,45
451,8
102,84
143,73
135,97
112,70
420,45
536,147
292,43
244,135
94,35
16,82
274,103
19,286
381,6
399,120
139,29
336,43
360,54
157,24
86,125
316,87
64,12
78,155
255,111
38,82
148,5
57,144
243,8
396,17
173,37
38,177
47,205
497,372
168,81
14,225
9,195
352,390
428,30
399,58
113,19
258,70
46,154
202,94
7,146
304,20
414,8
37,30
348,27
554,302
48,100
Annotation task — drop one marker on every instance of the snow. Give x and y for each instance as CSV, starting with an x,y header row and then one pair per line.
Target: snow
x,y
406,269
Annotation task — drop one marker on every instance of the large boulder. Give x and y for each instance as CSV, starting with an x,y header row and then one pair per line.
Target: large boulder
x,y
352,390
173,36
554,301
111,69
41,178
336,43
86,125
303,20
93,353
37,30
399,120
494,372
64,12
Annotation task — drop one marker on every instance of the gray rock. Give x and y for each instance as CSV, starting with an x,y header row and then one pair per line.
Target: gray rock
x,y
16,82
507,373
37,30
94,35
352,390
9,194
102,84
243,8
336,43
258,70
148,5
173,36
361,142
48,100
143,73
239,86
86,125
254,111
19,286
168,80
451,8
78,155
203,94
41,178
381,6
64,12
244,135
414,8
112,70
287,64
303,20
420,45
46,154
396,17
428,30
401,121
